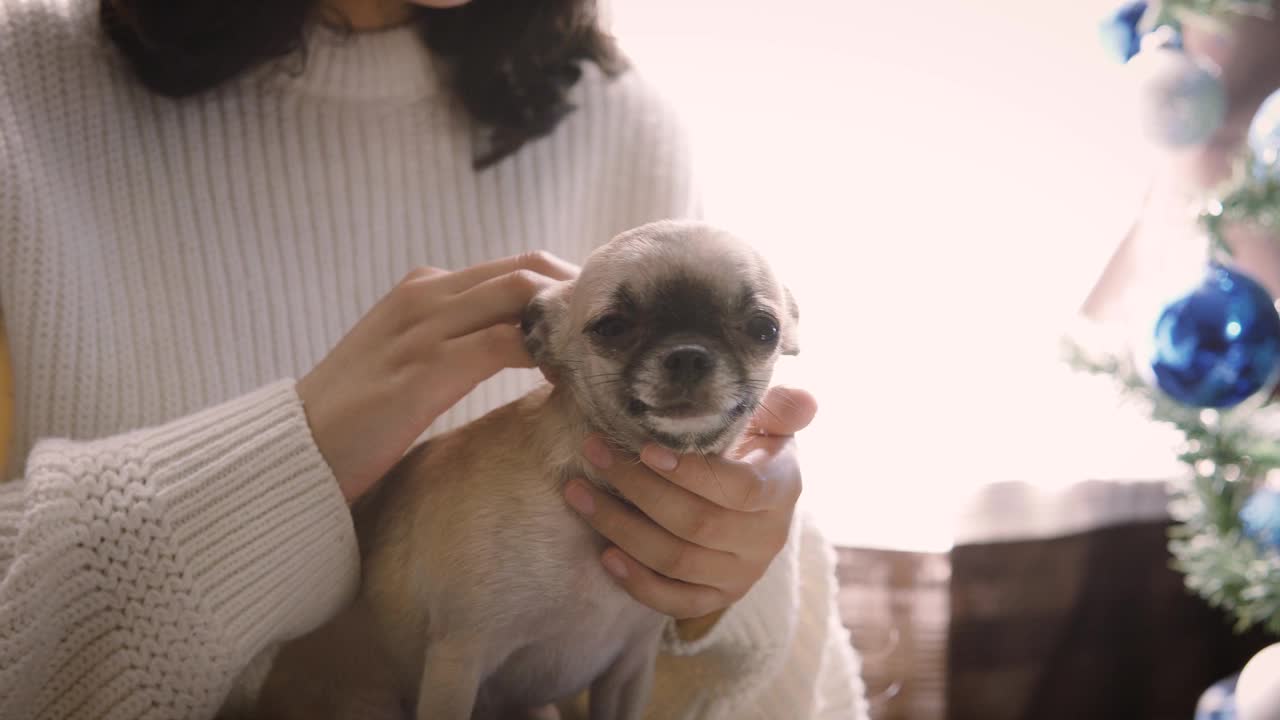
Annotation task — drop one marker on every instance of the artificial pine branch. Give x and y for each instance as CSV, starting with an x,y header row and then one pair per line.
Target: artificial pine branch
x,y
1216,9
1226,455
1247,197
1214,15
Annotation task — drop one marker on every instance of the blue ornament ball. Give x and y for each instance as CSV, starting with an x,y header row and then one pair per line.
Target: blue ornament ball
x,y
1264,137
1218,702
1219,344
1120,35
1260,518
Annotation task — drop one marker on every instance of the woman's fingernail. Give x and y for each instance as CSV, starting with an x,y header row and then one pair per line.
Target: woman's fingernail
x,y
597,453
659,458
614,565
579,497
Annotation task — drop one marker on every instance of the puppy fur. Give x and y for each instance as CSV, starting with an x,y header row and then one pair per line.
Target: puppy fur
x,y
482,593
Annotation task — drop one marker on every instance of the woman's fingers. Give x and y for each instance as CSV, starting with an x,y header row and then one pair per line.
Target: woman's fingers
x,y
497,300
452,304
644,540
481,354
682,512
542,263
420,349
680,600
739,485
783,411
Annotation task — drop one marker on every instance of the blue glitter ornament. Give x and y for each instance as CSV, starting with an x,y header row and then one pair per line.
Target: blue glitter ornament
x,y
1264,138
1119,31
1219,701
1219,344
1260,518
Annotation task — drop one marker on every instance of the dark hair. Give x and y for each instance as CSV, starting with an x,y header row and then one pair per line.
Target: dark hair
x,y
512,62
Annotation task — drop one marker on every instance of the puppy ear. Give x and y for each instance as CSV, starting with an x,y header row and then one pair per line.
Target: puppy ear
x,y
540,323
791,325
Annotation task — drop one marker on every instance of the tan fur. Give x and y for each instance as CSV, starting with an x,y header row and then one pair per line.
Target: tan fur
x,y
482,593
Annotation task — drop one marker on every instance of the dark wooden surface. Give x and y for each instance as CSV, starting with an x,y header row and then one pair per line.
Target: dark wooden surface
x,y
1095,625
896,606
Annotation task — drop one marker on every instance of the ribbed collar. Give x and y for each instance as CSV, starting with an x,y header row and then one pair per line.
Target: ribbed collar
x,y
392,65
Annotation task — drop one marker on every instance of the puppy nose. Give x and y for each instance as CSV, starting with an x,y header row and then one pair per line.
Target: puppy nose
x,y
688,364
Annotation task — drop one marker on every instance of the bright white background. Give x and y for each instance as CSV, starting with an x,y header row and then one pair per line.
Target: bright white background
x,y
940,181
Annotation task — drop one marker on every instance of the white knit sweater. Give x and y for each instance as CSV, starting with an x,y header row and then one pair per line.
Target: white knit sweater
x,y
168,267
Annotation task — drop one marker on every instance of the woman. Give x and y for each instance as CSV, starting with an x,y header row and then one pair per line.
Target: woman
x,y
201,202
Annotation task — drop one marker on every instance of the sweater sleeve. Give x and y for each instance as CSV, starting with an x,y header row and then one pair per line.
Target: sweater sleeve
x,y
840,691
744,650
782,651
140,573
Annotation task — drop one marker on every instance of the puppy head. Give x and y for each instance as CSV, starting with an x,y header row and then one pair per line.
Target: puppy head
x,y
669,334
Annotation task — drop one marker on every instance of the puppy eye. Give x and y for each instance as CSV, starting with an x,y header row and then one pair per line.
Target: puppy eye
x,y
762,328
611,326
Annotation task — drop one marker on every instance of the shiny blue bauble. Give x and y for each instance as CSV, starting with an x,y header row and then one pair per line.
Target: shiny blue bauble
x,y
1120,35
1260,518
1218,702
1264,138
1219,344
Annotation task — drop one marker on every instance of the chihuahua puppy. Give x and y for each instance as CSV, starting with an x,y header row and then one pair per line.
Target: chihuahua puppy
x,y
482,595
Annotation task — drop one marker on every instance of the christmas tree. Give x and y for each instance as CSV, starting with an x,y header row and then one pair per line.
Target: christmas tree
x,y
1207,362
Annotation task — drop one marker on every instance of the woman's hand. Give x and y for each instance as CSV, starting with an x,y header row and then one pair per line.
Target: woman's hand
x,y
704,530
421,348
